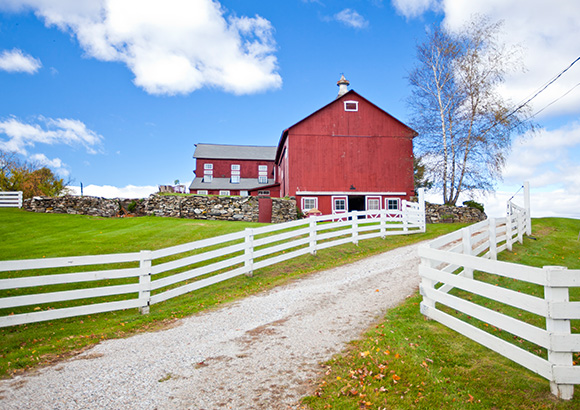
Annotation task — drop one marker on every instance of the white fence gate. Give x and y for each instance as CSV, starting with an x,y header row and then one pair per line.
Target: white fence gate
x,y
448,263
11,199
154,276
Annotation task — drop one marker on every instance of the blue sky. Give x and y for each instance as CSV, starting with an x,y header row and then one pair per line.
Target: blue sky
x,y
115,94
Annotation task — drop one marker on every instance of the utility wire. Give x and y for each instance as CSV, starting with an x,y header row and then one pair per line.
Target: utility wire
x,y
556,100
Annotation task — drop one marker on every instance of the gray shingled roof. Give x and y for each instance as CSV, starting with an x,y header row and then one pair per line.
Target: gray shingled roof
x,y
215,151
245,184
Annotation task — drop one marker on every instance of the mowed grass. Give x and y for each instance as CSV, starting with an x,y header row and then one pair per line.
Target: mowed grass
x,y
408,362
29,235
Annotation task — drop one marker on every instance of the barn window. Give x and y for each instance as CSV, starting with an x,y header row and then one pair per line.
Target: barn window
x,y
207,166
244,193
224,192
235,179
202,191
351,105
207,177
262,179
373,204
392,203
309,203
263,192
340,204
235,167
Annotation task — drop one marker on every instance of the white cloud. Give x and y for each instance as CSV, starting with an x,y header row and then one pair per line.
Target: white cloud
x,y
109,191
173,46
351,18
55,164
15,61
20,135
414,8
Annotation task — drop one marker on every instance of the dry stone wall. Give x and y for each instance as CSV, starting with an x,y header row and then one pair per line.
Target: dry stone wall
x,y
187,206
435,213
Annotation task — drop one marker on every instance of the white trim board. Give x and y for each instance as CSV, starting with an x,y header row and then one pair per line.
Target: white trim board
x,y
347,193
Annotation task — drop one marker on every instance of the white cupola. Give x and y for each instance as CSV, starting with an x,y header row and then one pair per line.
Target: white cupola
x,y
342,86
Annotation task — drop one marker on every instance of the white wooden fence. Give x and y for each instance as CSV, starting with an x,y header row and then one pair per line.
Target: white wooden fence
x,y
448,262
11,199
154,276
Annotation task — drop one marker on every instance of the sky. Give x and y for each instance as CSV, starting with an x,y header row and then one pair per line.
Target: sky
x,y
114,94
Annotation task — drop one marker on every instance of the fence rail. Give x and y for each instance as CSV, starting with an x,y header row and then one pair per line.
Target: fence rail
x,y
11,199
34,290
448,263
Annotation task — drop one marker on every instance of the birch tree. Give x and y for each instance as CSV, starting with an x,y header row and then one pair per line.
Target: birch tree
x,y
465,127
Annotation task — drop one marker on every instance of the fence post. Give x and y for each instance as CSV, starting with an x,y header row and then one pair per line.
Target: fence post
x,y
145,281
312,234
19,199
557,327
354,227
466,240
508,228
527,207
249,252
422,208
492,239
520,222
405,216
383,223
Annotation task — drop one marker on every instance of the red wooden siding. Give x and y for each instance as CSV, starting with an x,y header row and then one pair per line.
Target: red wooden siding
x,y
222,167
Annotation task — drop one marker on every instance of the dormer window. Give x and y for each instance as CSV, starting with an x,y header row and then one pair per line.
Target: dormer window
x,y
351,105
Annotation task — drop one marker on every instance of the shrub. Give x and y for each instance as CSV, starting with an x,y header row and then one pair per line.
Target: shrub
x,y
473,204
131,207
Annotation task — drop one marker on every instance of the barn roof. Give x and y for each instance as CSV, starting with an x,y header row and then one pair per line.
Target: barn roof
x,y
245,184
412,132
216,151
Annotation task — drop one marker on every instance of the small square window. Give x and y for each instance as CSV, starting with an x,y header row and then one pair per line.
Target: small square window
x,y
309,203
351,105
224,192
235,167
374,204
244,193
340,205
393,203
263,168
207,166
262,179
235,179
207,178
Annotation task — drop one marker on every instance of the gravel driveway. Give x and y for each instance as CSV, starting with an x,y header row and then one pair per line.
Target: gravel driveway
x,y
257,353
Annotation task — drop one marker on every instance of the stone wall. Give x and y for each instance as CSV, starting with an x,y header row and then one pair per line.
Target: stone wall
x,y
435,213
176,206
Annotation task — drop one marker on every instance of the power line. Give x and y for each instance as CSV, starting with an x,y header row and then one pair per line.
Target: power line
x,y
556,100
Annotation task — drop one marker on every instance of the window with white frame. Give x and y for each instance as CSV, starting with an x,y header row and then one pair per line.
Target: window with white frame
x,y
224,192
309,203
235,179
392,203
373,204
202,191
207,172
244,193
262,174
339,204
263,192
235,167
351,105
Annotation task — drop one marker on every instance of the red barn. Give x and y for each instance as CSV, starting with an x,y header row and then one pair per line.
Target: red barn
x,y
349,155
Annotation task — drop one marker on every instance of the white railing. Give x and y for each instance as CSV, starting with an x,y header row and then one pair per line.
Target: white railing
x,y
449,263
141,279
11,199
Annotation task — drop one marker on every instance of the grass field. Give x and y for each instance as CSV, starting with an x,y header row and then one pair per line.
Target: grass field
x,y
29,235
408,362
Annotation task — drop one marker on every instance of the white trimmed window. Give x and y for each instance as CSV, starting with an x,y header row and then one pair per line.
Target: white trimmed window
x,y
309,203
235,167
244,193
207,166
262,174
235,179
202,191
392,203
207,177
235,170
225,192
351,105
340,204
207,172
373,204
263,192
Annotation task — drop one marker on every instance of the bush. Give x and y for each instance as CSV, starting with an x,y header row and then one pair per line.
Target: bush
x,y
473,204
131,207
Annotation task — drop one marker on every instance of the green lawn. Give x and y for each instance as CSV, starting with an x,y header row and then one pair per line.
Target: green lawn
x,y
408,362
29,235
